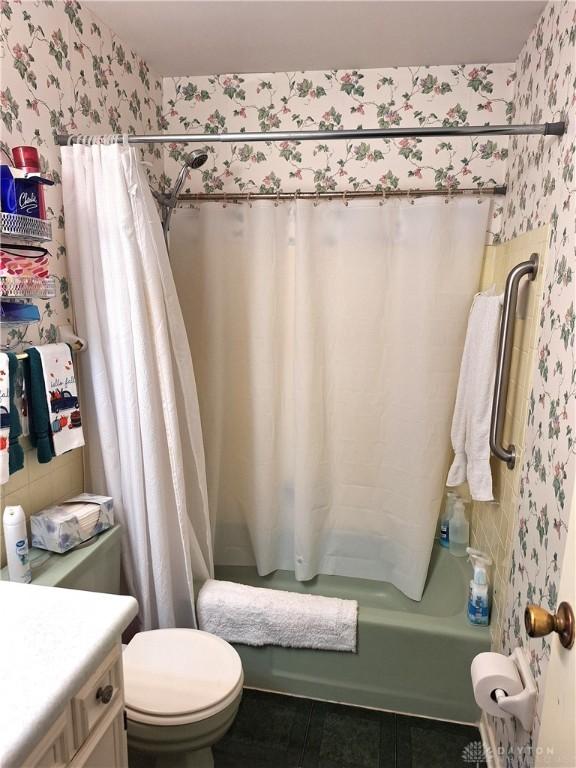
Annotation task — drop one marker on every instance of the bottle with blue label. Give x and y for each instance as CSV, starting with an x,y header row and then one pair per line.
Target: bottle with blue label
x,y
451,498
16,541
479,592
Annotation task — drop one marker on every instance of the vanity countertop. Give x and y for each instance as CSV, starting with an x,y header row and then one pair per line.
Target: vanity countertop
x,y
51,641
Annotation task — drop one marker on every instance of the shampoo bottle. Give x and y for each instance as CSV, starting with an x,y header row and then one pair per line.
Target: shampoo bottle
x,y
459,530
16,540
451,497
479,594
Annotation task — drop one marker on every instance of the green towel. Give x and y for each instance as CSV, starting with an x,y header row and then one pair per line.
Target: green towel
x,y
38,413
15,451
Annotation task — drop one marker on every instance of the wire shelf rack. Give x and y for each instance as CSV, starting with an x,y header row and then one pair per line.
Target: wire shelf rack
x,y
24,287
15,225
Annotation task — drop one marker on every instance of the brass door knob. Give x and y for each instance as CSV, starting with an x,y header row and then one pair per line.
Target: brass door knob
x,y
539,622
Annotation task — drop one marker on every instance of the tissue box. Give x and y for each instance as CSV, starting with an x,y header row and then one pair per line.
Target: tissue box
x,y
67,525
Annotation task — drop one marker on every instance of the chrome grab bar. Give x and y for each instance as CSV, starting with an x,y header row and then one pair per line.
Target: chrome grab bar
x,y
504,359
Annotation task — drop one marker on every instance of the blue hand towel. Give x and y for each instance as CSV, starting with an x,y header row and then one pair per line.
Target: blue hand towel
x,y
38,413
11,453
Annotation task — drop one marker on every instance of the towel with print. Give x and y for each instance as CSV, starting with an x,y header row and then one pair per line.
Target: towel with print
x,y
62,397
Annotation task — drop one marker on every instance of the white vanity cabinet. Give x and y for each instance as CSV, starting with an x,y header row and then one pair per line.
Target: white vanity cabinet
x,y
90,732
62,702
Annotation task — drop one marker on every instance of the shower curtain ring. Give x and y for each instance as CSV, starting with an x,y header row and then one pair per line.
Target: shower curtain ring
x,y
383,200
248,200
317,198
225,201
344,198
277,199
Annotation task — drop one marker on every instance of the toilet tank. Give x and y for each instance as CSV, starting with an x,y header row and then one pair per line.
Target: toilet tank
x,y
94,567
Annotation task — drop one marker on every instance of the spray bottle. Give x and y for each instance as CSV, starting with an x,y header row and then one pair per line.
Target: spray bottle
x,y
479,593
16,540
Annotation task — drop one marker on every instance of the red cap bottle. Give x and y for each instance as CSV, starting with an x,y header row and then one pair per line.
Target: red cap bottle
x,y
26,158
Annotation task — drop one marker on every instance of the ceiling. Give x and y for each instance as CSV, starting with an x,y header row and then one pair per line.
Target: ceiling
x,y
201,37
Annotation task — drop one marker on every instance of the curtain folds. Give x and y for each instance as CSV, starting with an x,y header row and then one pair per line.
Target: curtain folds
x,y
139,400
326,341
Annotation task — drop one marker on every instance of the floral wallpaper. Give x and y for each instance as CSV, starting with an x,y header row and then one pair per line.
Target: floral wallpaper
x,y
64,71
426,96
541,189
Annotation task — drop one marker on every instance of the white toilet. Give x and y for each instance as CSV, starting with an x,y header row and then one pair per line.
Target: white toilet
x,y
183,689
182,686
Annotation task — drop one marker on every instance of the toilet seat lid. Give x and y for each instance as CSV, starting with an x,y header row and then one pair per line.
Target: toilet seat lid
x,y
176,672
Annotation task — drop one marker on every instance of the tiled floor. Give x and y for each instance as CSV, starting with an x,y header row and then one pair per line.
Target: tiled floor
x,y
273,731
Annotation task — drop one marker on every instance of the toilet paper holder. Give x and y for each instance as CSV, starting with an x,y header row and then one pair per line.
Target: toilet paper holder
x,y
523,705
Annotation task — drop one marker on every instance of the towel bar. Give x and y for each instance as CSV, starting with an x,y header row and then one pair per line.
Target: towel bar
x,y
504,359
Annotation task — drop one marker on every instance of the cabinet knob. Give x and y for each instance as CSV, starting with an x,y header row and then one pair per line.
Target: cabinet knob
x,y
539,622
105,693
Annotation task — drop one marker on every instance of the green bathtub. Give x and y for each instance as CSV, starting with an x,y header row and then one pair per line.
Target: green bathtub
x,y
413,657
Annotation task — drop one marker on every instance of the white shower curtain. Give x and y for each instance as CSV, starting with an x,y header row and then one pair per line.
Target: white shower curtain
x,y
138,394
326,341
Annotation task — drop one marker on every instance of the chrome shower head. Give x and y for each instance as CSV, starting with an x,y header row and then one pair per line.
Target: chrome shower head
x,y
193,160
196,158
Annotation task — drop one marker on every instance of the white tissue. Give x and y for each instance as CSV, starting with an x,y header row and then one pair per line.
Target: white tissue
x,y
490,672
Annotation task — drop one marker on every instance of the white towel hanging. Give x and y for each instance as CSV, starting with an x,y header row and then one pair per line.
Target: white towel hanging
x,y
471,420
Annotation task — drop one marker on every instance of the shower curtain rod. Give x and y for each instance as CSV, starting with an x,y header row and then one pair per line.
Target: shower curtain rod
x,y
232,197
543,129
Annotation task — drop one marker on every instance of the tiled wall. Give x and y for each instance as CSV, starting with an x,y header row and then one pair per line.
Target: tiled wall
x,y
39,485
492,523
